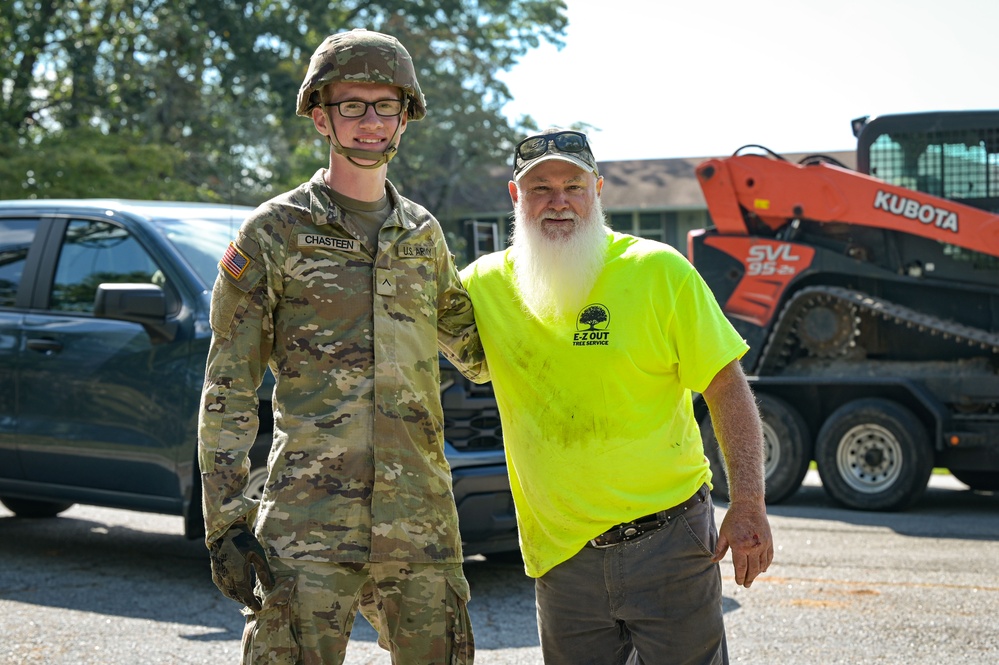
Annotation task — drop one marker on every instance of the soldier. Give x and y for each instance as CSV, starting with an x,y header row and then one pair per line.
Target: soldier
x,y
596,341
344,289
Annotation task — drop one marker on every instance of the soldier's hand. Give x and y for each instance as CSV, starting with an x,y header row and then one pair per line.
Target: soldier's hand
x,y
236,556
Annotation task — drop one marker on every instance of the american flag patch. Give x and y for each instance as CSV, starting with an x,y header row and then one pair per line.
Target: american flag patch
x,y
234,261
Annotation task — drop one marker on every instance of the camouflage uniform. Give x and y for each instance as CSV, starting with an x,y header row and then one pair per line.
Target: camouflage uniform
x,y
407,613
356,472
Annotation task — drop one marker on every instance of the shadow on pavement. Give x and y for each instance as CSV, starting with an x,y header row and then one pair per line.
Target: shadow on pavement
x,y
947,509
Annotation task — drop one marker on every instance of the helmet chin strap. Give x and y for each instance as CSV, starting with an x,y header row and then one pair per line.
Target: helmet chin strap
x,y
353,154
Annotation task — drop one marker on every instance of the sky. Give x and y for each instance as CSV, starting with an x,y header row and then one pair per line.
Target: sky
x,y
695,78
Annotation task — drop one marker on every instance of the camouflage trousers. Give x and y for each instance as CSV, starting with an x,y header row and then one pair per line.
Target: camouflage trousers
x,y
419,610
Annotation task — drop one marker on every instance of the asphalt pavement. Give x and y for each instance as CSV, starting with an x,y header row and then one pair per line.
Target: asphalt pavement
x,y
110,587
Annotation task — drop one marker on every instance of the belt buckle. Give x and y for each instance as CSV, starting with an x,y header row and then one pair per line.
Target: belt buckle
x,y
628,531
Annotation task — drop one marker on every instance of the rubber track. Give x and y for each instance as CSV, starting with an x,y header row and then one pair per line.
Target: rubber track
x,y
779,342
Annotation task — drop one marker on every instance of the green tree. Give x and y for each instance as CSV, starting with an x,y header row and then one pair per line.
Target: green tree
x,y
86,163
192,99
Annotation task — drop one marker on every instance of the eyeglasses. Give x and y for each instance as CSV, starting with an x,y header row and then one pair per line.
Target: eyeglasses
x,y
355,108
534,146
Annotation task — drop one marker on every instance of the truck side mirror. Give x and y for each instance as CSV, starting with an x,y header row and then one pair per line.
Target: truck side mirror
x,y
141,303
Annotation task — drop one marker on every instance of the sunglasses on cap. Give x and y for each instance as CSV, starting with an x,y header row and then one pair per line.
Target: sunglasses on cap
x,y
567,142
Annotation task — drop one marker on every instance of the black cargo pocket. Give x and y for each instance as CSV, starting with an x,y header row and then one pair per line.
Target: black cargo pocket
x,y
271,634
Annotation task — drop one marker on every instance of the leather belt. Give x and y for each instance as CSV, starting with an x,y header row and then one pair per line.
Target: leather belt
x,y
622,533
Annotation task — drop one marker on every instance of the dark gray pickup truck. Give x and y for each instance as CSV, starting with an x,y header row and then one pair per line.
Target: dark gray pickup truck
x,y
103,338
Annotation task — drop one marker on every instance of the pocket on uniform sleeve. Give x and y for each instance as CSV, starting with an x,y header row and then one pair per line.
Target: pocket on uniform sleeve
x,y
227,299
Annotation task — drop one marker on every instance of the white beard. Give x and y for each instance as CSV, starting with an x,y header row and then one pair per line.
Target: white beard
x,y
555,275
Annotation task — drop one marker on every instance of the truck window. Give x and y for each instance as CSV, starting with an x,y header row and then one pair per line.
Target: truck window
x,y
95,252
16,236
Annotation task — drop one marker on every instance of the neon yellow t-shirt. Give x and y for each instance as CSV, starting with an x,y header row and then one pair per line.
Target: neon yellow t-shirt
x,y
596,412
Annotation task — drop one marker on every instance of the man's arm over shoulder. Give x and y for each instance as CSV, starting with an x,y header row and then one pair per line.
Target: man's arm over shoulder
x,y
457,332
737,426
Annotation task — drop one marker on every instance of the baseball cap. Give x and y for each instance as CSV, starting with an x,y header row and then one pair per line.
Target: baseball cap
x,y
553,143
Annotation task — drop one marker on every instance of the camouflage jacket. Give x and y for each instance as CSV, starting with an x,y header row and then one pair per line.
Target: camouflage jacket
x,y
356,470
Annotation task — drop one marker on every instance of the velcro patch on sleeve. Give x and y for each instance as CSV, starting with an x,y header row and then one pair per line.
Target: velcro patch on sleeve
x,y
235,261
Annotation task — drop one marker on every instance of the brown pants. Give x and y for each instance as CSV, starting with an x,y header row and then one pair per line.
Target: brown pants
x,y
419,610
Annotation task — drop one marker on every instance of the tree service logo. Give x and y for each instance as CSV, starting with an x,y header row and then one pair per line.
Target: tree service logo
x,y
591,326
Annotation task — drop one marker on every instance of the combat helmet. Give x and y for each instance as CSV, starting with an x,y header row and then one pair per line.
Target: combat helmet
x,y
362,56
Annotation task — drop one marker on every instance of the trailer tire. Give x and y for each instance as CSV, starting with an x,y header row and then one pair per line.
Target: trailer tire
x,y
874,454
787,450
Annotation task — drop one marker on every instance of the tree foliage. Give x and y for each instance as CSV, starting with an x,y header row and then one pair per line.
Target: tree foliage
x,y
185,99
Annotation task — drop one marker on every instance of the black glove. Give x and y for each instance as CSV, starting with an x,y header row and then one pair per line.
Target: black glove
x,y
235,557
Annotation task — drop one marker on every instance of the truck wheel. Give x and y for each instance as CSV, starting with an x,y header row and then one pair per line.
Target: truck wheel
x,y
983,481
788,447
874,454
31,508
719,481
787,450
255,483
258,465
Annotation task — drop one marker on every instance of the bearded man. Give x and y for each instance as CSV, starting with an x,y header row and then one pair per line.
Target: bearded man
x,y
595,342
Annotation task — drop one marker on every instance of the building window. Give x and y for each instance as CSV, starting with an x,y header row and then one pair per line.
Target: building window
x,y
666,226
621,221
652,225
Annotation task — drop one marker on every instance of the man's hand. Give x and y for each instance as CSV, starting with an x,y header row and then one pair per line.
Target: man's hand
x,y
235,557
736,421
747,531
